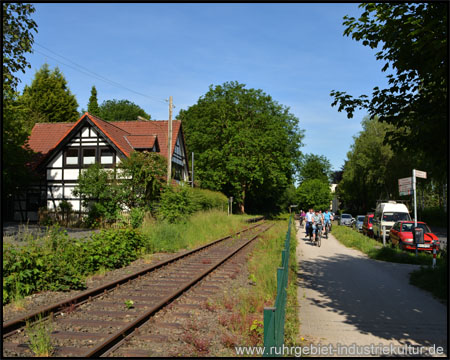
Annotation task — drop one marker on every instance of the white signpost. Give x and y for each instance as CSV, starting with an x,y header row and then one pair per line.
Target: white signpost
x,y
421,174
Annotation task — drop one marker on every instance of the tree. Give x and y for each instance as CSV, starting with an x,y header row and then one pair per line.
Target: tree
x,y
414,44
48,99
142,178
314,167
372,168
99,194
92,106
246,144
121,110
18,28
314,193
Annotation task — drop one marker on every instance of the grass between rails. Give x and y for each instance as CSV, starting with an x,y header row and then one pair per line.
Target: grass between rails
x,y
246,305
433,280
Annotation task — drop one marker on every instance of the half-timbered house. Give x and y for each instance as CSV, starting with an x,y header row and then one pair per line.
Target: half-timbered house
x,y
63,150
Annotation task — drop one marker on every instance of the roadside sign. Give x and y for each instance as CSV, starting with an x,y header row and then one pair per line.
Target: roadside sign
x,y
405,181
421,174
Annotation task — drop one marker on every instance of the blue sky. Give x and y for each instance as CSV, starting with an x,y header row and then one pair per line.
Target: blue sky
x,y
294,52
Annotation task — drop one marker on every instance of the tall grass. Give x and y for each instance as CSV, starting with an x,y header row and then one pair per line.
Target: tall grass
x,y
202,227
262,266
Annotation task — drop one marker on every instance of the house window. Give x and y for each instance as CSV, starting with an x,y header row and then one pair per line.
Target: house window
x,y
72,157
88,156
106,157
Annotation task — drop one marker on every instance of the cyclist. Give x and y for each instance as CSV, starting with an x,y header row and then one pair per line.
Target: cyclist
x,y
327,217
309,219
317,224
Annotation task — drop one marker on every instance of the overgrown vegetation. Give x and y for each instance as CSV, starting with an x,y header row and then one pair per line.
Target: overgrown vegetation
x,y
59,263
246,305
433,280
39,337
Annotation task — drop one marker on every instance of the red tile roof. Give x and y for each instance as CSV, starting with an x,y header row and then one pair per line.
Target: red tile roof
x,y
158,128
141,141
126,135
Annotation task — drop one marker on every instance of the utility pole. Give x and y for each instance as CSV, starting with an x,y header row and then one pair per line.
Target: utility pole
x,y
169,143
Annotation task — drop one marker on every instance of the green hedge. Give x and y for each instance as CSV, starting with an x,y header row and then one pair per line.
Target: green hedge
x,y
178,202
61,263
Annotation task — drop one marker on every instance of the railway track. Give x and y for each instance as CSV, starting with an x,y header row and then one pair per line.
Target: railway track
x,y
99,320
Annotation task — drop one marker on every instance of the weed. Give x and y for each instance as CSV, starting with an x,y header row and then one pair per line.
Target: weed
x,y
129,304
39,337
209,306
230,340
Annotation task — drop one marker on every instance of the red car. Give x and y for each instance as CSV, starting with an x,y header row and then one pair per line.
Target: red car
x,y
367,225
401,235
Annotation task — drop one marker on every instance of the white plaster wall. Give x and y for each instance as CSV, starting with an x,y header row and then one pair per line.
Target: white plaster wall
x,y
70,174
57,161
54,174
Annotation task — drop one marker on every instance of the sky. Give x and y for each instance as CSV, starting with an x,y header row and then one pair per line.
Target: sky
x,y
146,52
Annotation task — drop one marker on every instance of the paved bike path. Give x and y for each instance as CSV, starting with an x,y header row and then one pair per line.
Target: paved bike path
x,y
347,298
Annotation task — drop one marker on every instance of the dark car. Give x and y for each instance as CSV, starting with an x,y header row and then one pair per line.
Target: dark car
x,y
401,234
346,219
367,225
357,225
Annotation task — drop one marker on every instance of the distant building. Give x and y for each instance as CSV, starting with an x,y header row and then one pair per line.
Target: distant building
x,y
63,150
334,202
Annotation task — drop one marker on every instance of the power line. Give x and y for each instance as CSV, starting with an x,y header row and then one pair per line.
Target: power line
x,y
90,73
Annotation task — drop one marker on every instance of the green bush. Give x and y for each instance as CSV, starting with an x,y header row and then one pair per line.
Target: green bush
x,y
136,217
434,216
61,263
203,199
178,202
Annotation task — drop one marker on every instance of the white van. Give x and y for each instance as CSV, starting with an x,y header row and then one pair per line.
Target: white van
x,y
386,214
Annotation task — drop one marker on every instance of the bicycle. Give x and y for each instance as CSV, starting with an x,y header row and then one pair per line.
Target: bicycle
x,y
327,229
309,230
318,235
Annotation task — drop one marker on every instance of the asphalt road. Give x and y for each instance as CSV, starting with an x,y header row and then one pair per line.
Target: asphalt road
x,y
346,298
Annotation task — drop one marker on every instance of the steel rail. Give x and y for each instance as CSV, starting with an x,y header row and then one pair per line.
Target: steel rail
x,y
103,348
11,326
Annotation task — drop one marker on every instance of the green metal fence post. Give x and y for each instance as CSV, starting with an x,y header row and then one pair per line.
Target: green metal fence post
x,y
269,329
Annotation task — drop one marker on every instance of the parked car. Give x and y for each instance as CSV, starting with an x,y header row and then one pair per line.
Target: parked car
x,y
358,223
367,225
346,219
401,235
386,214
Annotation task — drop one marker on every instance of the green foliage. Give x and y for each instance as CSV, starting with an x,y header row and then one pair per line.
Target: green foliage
x,y
203,199
92,106
142,178
314,193
60,263
433,280
175,205
48,99
18,38
314,167
121,110
416,97
136,217
178,203
372,170
99,193
246,144
39,337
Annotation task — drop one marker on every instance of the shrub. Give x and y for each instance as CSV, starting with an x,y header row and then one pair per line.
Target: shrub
x,y
175,205
136,217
